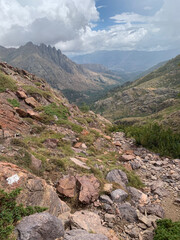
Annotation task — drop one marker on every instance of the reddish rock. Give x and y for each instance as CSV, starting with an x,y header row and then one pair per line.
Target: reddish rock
x,y
35,191
85,132
51,142
107,137
78,145
125,157
22,113
36,163
128,166
89,188
21,94
32,102
67,186
117,144
33,115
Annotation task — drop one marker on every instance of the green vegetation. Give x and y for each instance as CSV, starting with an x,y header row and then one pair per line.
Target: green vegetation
x,y
11,213
6,82
154,137
35,90
84,108
14,102
52,110
167,230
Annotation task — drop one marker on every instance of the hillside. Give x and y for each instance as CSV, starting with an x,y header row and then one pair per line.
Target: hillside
x,y
126,61
92,183
154,96
58,70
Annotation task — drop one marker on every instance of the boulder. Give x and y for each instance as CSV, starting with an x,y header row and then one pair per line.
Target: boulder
x,y
33,115
105,199
137,196
79,163
125,157
88,221
35,191
153,209
119,195
51,142
21,94
89,188
80,234
67,186
36,163
22,113
117,176
40,226
127,212
31,102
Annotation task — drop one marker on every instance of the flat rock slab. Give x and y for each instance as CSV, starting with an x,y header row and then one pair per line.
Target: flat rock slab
x,y
79,163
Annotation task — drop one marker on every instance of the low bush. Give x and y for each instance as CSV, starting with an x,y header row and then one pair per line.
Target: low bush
x,y
11,212
167,230
154,137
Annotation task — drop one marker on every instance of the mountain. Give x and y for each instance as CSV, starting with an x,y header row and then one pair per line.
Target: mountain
x,y
75,179
126,61
59,71
152,97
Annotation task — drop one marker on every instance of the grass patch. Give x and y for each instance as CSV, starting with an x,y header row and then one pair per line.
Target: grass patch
x,y
14,102
6,82
167,230
18,142
11,212
154,137
35,90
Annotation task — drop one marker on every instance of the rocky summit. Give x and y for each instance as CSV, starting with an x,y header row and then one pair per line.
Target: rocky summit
x,y
88,182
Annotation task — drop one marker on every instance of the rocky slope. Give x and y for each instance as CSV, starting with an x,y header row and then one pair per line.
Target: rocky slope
x,y
58,70
154,95
65,160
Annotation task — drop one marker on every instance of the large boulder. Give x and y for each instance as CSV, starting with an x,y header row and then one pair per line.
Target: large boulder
x,y
40,226
67,186
79,234
35,191
127,212
119,195
117,176
89,188
138,197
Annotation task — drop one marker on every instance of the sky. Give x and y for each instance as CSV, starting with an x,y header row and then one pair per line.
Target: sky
x,y
82,26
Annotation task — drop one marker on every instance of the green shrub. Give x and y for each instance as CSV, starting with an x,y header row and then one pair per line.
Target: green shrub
x,y
84,108
154,137
7,82
14,102
11,213
167,230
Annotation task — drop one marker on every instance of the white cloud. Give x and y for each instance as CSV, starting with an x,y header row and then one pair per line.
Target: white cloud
x,y
46,21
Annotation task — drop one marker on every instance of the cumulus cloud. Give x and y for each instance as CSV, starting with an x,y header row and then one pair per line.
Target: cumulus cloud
x,y
69,25
46,21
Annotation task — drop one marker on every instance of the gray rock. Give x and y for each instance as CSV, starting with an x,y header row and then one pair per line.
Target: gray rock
x,y
135,165
105,199
127,212
119,195
40,226
117,176
79,234
153,209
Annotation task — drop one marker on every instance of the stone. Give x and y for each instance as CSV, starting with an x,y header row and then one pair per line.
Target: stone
x,y
133,232
108,187
33,115
88,221
36,163
148,234
35,191
40,226
22,113
105,199
84,146
67,186
137,196
51,143
128,166
127,212
78,145
144,219
125,157
117,176
31,102
135,165
153,209
79,234
119,195
89,188
21,94
79,163
85,132
109,217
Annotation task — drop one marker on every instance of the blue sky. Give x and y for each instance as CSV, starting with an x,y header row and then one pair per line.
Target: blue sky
x,y
82,26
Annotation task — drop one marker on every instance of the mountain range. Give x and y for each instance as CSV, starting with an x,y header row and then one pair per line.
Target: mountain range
x,y
154,97
58,70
